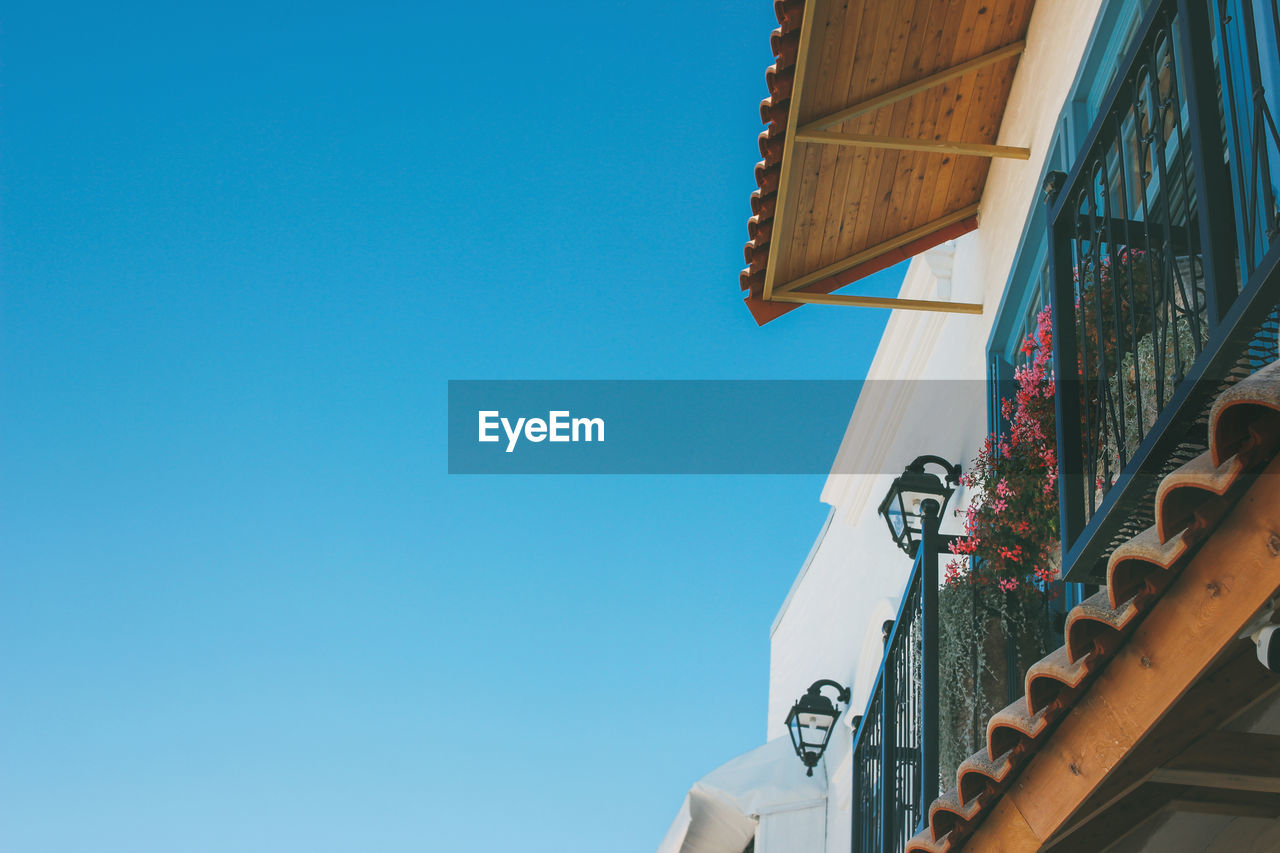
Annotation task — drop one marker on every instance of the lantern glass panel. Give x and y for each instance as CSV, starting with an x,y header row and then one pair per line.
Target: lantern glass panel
x,y
815,728
896,520
913,502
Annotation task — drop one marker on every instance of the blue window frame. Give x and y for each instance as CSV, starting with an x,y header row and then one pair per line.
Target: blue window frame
x,y
1027,290
1246,29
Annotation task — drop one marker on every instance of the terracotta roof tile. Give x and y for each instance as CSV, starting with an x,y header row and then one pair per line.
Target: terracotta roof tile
x,y
1244,435
1094,625
947,812
923,841
774,110
1011,727
978,775
1234,422
1054,678
1186,488
1135,561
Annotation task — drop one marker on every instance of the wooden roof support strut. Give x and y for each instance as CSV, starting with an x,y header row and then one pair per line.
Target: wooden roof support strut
x,y
879,302
975,149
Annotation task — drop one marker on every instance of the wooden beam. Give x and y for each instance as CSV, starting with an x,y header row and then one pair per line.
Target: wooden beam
x,y
1153,797
971,149
1113,824
1269,784
788,186
1234,688
1234,574
1232,761
1248,753
907,90
875,251
879,302
1231,803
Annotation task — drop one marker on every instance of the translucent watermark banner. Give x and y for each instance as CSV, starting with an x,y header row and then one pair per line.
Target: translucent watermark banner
x,y
688,427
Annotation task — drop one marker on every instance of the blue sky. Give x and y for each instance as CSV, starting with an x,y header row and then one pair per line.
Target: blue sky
x,y
244,247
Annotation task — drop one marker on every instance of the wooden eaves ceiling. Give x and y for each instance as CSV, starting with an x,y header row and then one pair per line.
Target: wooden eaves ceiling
x,y
882,119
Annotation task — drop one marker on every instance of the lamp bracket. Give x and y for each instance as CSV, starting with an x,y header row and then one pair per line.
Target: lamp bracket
x,y
953,471
843,693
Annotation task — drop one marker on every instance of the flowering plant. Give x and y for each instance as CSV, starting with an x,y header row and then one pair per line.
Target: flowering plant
x,y
1011,525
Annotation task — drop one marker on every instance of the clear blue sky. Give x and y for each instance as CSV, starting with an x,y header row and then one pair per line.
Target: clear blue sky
x,y
242,605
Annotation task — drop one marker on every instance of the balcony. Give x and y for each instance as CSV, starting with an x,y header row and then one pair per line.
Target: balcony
x,y
1163,260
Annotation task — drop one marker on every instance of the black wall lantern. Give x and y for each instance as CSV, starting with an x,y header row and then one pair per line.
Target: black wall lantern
x,y
811,721
909,499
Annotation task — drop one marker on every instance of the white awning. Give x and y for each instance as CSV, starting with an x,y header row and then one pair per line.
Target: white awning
x,y
720,812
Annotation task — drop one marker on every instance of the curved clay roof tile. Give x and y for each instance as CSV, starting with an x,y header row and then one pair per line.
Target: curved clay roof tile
x,y
752,281
774,111
762,204
1094,626
780,81
756,256
947,812
1133,563
767,176
1012,727
1247,402
1050,679
978,775
1186,488
785,46
759,230
770,144
789,13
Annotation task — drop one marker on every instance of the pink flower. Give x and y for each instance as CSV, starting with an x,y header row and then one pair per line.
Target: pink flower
x,y
1013,513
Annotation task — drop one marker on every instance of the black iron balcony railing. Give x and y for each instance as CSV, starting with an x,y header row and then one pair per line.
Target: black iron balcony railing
x,y
903,736
899,727
1164,258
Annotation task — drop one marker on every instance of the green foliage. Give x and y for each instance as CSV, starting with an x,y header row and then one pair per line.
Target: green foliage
x,y
977,625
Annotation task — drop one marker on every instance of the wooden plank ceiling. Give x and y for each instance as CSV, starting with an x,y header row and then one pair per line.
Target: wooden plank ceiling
x,y
882,121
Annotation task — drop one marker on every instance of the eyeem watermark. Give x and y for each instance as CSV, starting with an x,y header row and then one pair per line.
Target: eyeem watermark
x,y
558,426
734,426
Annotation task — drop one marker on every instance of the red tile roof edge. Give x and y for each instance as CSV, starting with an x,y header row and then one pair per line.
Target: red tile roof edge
x,y
774,113
1244,435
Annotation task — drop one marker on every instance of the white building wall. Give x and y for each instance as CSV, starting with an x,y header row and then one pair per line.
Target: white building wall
x,y
792,830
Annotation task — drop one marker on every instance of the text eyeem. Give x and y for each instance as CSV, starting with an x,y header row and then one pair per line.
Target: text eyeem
x,y
558,426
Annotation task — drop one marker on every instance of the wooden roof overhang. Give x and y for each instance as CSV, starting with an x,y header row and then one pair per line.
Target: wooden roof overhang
x,y
882,119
